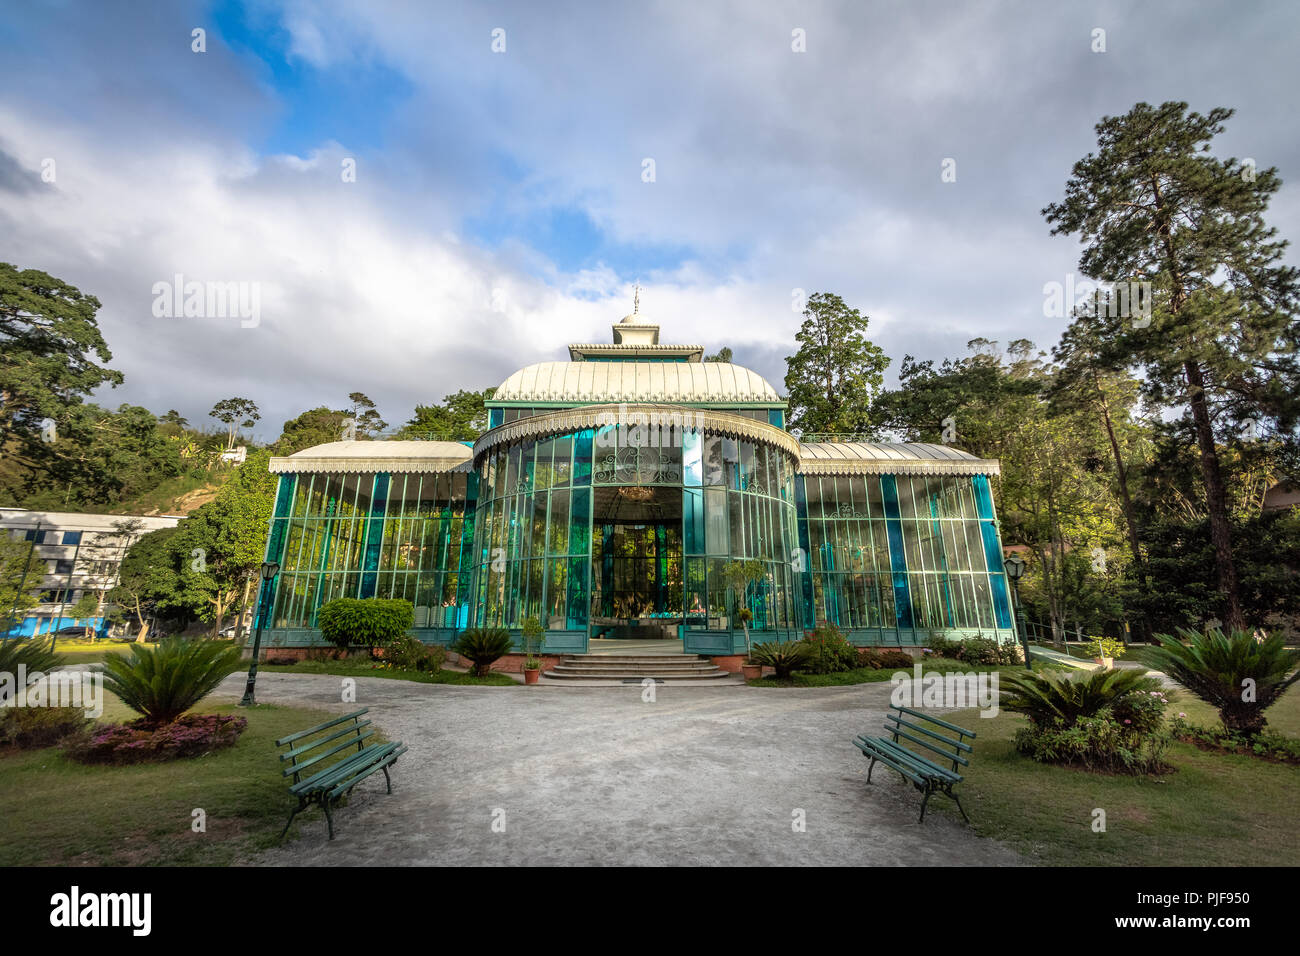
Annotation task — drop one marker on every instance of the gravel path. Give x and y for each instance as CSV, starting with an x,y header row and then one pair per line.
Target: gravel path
x,y
596,776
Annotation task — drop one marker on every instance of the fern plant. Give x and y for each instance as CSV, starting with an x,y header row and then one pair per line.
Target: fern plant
x,y
483,646
1238,674
161,683
35,654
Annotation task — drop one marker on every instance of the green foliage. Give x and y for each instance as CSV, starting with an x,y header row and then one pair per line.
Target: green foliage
x,y
1105,647
161,683
34,653
1218,344
28,728
149,579
534,637
1101,742
782,656
319,426
235,413
411,653
829,651
483,646
16,557
941,646
1265,744
365,416
1052,695
461,417
986,652
364,622
1111,720
833,376
1234,672
49,344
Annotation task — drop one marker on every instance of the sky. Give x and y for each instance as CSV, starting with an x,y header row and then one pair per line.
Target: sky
x,y
415,198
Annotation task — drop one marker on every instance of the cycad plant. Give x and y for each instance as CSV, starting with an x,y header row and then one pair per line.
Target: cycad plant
x,y
781,656
36,654
1237,673
163,682
483,645
1069,695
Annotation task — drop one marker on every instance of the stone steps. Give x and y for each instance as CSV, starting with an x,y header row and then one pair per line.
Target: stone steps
x,y
602,668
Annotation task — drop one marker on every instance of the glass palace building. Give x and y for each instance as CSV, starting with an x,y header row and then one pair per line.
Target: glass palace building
x,y
607,498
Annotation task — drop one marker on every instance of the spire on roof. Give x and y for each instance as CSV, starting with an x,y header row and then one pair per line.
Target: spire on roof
x,y
636,298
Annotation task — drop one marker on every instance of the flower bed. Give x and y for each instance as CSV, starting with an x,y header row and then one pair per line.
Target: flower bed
x,y
136,742
1267,746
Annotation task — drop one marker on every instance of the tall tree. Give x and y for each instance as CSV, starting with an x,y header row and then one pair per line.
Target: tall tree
x,y
49,343
1153,205
366,416
235,413
834,375
317,426
460,417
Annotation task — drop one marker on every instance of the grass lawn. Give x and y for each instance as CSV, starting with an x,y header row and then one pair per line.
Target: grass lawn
x,y
870,675
56,812
83,652
364,667
1215,810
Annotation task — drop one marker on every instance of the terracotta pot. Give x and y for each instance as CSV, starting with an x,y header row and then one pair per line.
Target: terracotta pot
x,y
1106,662
531,674
752,671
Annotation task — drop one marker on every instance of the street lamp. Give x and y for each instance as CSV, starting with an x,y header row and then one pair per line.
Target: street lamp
x,y
269,570
1015,568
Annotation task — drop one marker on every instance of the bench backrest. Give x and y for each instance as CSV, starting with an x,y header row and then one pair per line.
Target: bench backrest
x,y
919,729
338,735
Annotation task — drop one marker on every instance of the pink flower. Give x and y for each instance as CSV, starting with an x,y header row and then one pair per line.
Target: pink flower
x,y
1128,721
1182,715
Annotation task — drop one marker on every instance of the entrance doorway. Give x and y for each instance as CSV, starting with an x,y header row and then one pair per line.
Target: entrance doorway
x,y
636,568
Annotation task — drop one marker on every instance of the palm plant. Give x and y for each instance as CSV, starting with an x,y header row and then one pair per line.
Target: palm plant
x,y
1068,695
483,645
35,654
161,683
781,656
1235,672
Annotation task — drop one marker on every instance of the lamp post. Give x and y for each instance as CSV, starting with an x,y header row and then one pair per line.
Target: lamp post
x,y
269,570
1015,568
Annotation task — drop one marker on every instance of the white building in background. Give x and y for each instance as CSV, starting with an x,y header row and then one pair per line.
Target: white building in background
x,y
69,555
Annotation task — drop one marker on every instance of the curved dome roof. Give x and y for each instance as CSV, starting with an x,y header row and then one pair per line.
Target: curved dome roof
x,y
906,458
669,382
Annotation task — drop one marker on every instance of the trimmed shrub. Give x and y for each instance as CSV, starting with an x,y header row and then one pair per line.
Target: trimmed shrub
x,y
782,656
364,622
1214,667
483,646
1268,745
829,651
163,682
29,728
139,742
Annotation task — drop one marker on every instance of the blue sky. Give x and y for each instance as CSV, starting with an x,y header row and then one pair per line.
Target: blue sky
x,y
499,208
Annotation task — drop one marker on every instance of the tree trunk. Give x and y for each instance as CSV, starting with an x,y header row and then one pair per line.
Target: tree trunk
x,y
1215,499
1121,474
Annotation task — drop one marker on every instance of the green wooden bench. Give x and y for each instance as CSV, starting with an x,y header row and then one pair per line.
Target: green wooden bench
x,y
923,772
329,784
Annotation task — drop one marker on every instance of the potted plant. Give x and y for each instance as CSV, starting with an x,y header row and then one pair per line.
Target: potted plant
x,y
534,635
1104,650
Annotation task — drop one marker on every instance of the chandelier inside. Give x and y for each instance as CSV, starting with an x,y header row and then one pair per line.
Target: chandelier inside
x,y
636,492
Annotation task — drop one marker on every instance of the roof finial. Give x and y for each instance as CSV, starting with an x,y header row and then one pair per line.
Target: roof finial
x,y
636,298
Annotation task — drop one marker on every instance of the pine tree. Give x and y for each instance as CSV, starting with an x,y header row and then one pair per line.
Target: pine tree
x,y
1153,205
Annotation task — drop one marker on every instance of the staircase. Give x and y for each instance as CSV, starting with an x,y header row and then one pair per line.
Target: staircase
x,y
605,668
